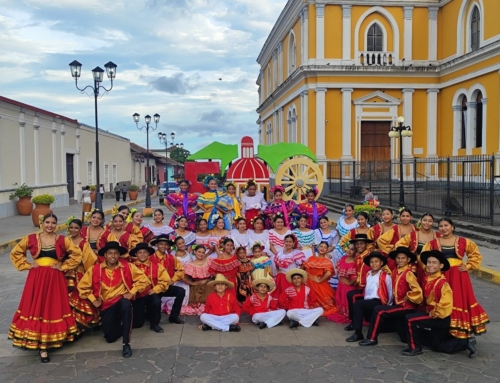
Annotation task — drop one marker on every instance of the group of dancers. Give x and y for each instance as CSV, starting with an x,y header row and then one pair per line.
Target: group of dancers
x,y
270,260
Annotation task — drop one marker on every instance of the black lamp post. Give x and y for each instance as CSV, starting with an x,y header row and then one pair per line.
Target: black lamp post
x,y
401,131
147,119
98,75
164,140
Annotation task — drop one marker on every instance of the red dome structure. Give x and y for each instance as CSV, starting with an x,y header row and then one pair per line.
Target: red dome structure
x,y
248,167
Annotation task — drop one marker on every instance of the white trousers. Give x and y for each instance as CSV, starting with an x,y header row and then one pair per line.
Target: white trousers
x,y
270,318
306,317
219,322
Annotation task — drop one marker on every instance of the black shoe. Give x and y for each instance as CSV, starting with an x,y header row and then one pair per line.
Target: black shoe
x,y
157,329
234,328
176,321
349,328
262,325
471,347
206,327
415,351
355,338
293,323
368,342
44,359
127,351
316,323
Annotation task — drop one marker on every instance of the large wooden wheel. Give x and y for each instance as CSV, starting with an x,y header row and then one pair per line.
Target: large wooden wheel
x,y
298,175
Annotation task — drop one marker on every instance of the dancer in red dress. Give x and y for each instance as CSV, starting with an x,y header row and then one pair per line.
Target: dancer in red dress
x,y
226,263
43,319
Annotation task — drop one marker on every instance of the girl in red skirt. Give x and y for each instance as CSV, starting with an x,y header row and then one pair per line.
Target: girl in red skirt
x,y
468,317
44,319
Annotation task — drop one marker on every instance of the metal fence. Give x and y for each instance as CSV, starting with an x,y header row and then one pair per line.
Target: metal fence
x,y
464,187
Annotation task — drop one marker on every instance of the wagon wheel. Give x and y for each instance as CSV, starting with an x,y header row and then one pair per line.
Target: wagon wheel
x,y
297,176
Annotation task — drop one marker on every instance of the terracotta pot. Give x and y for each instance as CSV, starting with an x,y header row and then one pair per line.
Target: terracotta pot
x,y
152,190
40,209
133,194
92,196
24,206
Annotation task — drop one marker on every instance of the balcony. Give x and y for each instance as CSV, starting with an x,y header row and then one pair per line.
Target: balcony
x,y
376,58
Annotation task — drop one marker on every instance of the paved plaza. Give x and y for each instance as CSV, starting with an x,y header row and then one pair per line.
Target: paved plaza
x,y
185,354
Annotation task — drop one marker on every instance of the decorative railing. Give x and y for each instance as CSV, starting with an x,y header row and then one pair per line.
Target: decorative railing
x,y
377,58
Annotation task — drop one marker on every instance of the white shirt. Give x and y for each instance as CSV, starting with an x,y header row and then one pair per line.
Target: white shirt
x,y
372,285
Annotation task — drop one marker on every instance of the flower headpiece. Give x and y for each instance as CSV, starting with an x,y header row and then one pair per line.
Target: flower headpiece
x,y
258,243
178,219
114,210
40,221
276,188
295,240
220,245
90,214
214,218
251,181
252,221
129,218
68,222
314,190
229,183
346,245
207,179
238,218
183,182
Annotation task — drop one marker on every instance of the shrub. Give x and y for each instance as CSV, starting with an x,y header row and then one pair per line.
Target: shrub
x,y
92,187
22,191
133,188
46,199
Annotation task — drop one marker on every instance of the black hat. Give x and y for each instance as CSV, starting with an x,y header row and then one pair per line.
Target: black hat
x,y
436,254
361,238
162,238
375,254
141,246
403,250
112,245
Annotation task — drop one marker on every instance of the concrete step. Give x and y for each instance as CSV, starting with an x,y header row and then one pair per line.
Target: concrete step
x,y
482,234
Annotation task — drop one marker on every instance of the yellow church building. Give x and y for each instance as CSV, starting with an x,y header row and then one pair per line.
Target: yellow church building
x,y
336,74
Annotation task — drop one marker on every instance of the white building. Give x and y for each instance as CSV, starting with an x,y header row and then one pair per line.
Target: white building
x,y
54,154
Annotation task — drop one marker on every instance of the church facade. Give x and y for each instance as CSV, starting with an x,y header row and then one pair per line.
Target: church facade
x,y
336,74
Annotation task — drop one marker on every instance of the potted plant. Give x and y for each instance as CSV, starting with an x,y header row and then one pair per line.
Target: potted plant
x,y
24,204
42,207
133,192
92,193
152,189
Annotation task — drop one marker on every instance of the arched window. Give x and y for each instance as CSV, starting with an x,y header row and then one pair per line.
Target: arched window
x,y
463,129
375,41
479,120
474,29
292,53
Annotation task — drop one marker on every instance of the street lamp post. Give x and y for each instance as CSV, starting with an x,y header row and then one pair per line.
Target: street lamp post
x,y
401,131
164,140
97,74
147,119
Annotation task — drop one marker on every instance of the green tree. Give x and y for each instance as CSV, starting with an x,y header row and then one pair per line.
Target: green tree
x,y
179,155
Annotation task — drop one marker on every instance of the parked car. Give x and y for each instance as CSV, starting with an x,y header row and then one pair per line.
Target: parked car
x,y
172,188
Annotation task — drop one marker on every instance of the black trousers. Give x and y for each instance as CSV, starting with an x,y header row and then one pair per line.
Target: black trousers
x,y
178,293
451,344
150,304
425,330
363,309
124,194
117,195
117,321
353,296
382,314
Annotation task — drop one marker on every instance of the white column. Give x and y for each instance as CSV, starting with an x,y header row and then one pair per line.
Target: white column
x,y
78,181
275,128
63,157
280,63
408,115
457,128
22,148
408,34
304,129
281,137
484,101
471,127
36,149
320,123
54,153
262,87
433,32
305,35
346,34
346,123
320,32
432,122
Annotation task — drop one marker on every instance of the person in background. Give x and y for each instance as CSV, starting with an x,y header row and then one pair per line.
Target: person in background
x,y
86,202
117,191
101,191
368,194
124,190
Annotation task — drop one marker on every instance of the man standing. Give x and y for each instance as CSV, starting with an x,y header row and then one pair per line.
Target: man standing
x,y
110,286
117,190
124,191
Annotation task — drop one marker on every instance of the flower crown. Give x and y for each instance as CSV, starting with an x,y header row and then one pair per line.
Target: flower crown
x,y
89,215
238,218
252,221
314,190
183,181
251,181
207,179
258,243
220,245
276,188
229,183
68,222
214,218
129,217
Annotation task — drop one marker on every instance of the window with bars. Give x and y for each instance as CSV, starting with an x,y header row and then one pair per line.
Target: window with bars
x,y
106,176
292,53
90,173
474,29
375,41
479,120
115,175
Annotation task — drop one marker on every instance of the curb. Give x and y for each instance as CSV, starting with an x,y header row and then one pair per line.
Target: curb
x,y
487,274
13,242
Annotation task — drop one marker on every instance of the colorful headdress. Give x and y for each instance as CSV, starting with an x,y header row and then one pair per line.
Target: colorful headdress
x,y
129,218
214,218
251,181
238,218
68,222
207,179
40,221
183,182
178,219
252,221
91,213
295,240
346,246
258,243
314,190
221,243
276,188
229,183
114,210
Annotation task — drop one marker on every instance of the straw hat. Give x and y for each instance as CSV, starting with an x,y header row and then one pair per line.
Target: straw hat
x,y
436,254
269,282
221,279
403,250
292,272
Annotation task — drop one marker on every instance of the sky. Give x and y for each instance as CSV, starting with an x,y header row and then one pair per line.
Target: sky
x,y
191,61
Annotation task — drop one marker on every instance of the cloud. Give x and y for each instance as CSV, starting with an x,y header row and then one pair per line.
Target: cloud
x,y
178,83
214,116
